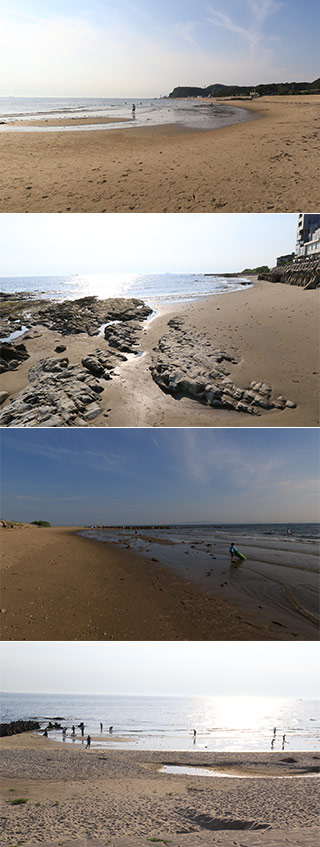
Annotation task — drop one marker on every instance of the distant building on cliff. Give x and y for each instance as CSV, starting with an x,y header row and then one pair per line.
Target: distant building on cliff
x,y
308,235
285,260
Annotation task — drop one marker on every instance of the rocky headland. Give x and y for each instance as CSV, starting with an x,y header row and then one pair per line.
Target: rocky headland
x,y
185,365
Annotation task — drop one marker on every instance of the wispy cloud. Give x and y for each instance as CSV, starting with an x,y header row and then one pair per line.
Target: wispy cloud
x,y
186,30
260,10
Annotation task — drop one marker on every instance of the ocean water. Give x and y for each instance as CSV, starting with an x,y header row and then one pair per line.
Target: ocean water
x,y
166,723
156,288
255,532
149,112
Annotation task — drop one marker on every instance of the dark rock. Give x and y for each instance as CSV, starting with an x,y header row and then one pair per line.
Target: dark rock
x,y
16,727
187,365
12,355
60,348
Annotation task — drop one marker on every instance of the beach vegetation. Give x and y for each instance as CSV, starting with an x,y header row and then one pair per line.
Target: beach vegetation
x,y
41,523
260,270
18,801
38,803
56,803
159,840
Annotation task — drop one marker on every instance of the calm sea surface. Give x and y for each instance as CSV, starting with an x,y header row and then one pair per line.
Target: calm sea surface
x,y
159,288
167,723
149,112
309,532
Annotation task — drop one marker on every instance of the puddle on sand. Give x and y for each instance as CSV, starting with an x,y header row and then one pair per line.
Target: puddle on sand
x,y
192,770
16,334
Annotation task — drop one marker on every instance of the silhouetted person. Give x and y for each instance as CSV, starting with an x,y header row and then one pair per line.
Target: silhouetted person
x,y
81,726
101,726
110,728
88,744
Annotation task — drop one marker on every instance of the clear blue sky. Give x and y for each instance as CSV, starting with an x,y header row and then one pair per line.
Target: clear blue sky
x,y
76,477
53,244
181,668
144,48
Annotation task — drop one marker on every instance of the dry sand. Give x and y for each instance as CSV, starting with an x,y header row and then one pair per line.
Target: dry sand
x,y
121,798
270,164
273,330
59,586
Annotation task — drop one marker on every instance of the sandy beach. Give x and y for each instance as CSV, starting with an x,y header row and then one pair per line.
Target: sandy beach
x,y
58,586
122,798
269,164
269,331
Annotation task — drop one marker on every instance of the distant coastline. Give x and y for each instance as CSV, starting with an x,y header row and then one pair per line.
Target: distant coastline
x,y
263,90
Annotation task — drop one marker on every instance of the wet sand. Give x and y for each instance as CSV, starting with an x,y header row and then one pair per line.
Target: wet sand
x,y
270,164
59,586
67,121
123,799
271,329
279,582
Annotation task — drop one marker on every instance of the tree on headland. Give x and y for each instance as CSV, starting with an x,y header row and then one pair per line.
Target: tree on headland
x,y
41,523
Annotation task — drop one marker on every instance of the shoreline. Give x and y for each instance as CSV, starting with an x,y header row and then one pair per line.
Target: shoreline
x,y
269,330
68,798
113,593
171,168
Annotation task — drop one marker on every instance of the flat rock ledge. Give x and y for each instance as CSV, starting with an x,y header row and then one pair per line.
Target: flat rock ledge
x,y
187,366
61,394
124,336
69,317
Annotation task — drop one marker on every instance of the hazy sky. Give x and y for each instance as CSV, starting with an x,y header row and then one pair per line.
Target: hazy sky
x,y
180,668
54,244
76,477
144,48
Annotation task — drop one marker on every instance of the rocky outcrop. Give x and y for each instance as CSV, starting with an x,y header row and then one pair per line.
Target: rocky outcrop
x,y
187,366
125,337
303,272
89,313
16,727
60,394
86,314
11,356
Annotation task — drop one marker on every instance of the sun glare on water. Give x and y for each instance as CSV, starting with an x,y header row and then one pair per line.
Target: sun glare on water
x,y
105,285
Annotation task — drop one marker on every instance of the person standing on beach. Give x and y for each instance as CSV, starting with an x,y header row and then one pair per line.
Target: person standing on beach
x,y
101,727
231,551
88,742
133,110
110,729
81,726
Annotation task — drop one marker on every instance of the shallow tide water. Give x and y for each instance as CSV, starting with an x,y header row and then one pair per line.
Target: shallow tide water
x,y
239,724
148,112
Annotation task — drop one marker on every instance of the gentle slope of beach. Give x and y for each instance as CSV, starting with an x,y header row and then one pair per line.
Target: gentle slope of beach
x,y
270,164
57,585
77,795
